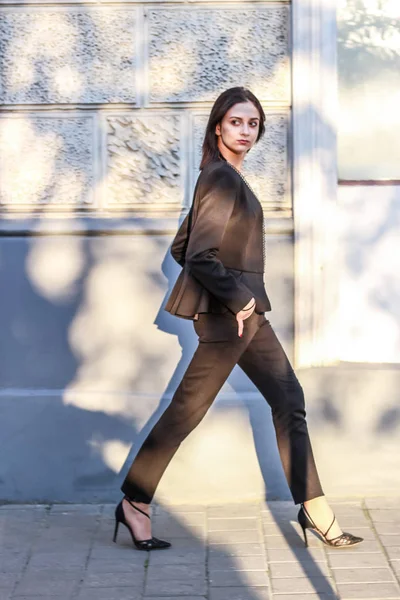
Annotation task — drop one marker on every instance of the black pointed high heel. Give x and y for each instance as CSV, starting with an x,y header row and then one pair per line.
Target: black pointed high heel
x,y
150,544
345,540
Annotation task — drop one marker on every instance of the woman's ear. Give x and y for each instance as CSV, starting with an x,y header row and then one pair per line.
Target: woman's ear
x,y
218,129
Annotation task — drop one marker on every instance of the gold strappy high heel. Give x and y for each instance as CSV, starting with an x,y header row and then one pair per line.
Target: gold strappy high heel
x,y
344,540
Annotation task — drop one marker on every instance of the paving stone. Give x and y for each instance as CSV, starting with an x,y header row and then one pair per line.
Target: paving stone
x,y
348,522
233,511
305,596
185,544
47,582
238,578
75,522
294,585
239,537
393,552
347,510
109,565
395,564
116,593
174,597
246,563
390,540
291,541
370,575
177,557
297,569
232,524
362,559
382,502
178,509
280,518
346,500
296,554
388,528
283,514
282,528
192,518
178,531
239,593
197,587
134,579
385,516
7,579
13,564
136,557
176,572
67,561
368,590
278,505
61,543
330,596
7,584
219,550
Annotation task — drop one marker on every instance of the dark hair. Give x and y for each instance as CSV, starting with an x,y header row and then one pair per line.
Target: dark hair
x,y
223,103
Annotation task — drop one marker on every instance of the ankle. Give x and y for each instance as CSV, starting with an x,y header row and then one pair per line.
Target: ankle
x,y
142,505
318,506
323,516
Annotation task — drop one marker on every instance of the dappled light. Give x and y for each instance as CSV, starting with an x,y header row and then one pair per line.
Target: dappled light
x,y
369,67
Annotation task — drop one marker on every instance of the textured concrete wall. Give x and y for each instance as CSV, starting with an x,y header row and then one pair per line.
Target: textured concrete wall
x,y
104,108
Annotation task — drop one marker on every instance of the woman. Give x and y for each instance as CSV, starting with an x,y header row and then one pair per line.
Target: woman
x,y
220,246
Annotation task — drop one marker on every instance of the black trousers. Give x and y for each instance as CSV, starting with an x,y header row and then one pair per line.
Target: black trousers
x,y
259,353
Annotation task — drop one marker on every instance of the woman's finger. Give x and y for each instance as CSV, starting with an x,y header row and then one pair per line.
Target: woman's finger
x,y
240,330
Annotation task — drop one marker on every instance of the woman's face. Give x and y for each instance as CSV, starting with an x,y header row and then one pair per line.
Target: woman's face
x,y
239,128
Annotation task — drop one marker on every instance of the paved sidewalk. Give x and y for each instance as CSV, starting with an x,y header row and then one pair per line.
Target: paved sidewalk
x,y
229,552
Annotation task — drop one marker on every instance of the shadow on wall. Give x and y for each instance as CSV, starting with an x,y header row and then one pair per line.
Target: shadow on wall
x,y
369,281
368,38
369,62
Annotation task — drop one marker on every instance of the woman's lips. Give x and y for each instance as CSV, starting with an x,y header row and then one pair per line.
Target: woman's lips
x,y
243,142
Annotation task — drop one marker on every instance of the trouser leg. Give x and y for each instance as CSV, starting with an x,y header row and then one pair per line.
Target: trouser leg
x,y
210,366
266,364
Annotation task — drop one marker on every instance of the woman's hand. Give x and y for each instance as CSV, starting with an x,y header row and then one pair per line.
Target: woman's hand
x,y
245,314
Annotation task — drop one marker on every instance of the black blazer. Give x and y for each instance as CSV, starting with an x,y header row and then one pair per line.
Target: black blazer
x,y
222,258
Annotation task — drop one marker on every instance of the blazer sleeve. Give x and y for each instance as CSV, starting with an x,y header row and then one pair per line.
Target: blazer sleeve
x,y
216,204
178,246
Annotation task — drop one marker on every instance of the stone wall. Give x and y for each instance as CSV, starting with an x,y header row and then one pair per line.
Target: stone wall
x,y
103,108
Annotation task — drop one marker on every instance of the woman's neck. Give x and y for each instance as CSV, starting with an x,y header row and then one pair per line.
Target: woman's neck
x,y
232,158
